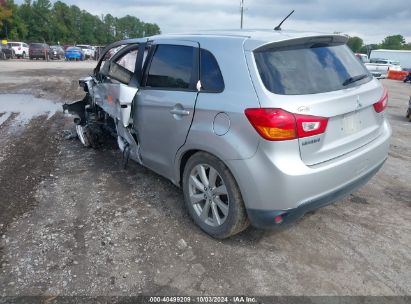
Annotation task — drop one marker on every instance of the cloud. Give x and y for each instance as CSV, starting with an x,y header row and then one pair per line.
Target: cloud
x,y
371,20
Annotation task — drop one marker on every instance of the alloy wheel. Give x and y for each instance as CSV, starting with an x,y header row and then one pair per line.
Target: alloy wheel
x,y
208,195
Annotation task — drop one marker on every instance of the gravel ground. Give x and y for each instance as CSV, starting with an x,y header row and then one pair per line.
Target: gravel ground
x,y
73,222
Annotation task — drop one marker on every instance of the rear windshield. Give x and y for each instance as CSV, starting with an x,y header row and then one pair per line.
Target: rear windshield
x,y
36,45
318,68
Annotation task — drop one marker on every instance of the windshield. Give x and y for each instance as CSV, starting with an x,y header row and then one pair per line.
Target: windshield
x,y
318,68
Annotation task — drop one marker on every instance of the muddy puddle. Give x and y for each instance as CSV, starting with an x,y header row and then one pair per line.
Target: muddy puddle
x,y
24,108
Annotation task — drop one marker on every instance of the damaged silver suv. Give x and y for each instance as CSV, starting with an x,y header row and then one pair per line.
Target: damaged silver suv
x,y
256,127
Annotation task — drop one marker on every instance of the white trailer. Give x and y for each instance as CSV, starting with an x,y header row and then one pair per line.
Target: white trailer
x,y
404,57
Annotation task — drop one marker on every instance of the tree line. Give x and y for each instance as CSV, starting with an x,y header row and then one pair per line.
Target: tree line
x,y
42,21
394,42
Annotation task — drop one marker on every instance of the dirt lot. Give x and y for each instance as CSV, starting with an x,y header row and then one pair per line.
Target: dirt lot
x,y
73,222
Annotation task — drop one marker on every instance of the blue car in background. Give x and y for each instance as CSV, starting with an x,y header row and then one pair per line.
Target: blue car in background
x,y
74,53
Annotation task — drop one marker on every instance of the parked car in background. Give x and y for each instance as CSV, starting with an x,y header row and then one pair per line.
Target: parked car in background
x,y
379,67
233,119
21,49
402,56
363,57
98,51
6,52
74,53
88,50
39,51
56,52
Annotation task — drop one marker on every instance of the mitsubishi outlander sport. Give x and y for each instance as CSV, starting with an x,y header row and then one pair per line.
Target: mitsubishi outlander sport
x,y
256,127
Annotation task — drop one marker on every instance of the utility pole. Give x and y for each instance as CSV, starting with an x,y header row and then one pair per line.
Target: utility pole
x,y
242,13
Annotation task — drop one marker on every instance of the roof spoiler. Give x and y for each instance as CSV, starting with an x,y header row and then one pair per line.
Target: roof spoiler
x,y
326,39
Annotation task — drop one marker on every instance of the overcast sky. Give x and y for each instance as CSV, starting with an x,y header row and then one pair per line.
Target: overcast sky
x,y
372,20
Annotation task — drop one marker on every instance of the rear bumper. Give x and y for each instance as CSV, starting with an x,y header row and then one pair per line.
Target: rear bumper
x,y
38,55
73,56
265,218
275,180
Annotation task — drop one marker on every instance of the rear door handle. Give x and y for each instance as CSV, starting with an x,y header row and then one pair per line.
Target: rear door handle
x,y
180,112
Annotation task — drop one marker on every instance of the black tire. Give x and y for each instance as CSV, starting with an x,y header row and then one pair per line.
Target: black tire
x,y
236,220
3,56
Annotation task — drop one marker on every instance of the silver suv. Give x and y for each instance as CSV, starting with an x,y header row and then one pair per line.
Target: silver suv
x,y
256,127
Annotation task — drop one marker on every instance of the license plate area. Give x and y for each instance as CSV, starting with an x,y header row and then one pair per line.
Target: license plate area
x,y
351,123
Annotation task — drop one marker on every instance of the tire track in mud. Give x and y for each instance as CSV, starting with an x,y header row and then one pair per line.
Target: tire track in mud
x,y
27,160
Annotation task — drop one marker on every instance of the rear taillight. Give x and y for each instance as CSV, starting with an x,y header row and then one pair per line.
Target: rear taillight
x,y
310,125
382,103
278,124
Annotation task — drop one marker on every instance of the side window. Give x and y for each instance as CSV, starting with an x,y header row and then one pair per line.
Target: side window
x,y
128,61
210,74
171,67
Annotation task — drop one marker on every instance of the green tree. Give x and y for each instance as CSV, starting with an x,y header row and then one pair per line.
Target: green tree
x,y
12,26
60,31
5,11
5,15
39,20
151,29
355,44
129,27
395,42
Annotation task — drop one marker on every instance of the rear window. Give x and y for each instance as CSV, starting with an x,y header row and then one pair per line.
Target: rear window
x,y
318,68
36,45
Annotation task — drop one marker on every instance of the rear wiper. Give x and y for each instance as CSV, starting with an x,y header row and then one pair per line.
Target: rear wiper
x,y
354,79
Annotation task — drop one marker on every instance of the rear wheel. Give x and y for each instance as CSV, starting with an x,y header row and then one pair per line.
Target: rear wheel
x,y
213,197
